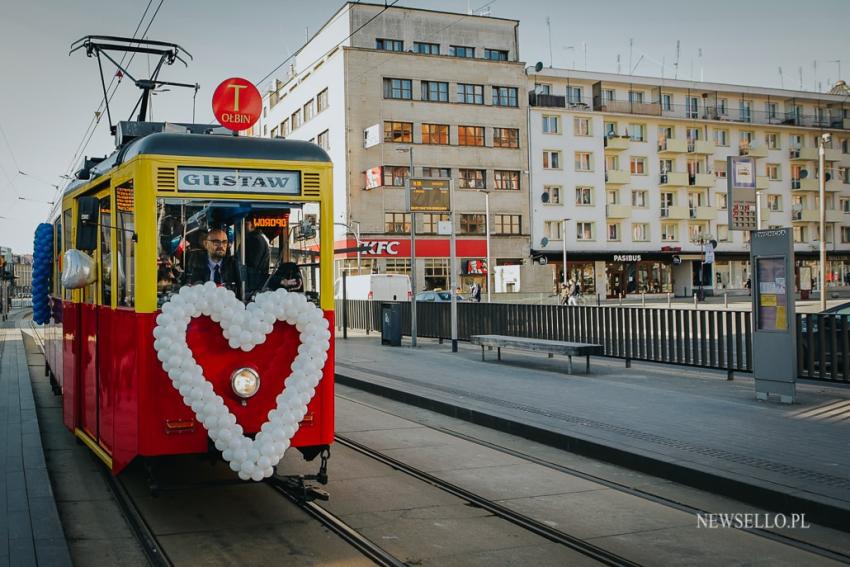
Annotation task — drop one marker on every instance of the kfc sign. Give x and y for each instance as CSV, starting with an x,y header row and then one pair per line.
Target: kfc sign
x,y
382,248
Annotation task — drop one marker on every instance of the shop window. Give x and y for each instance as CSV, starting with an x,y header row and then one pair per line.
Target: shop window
x,y
436,273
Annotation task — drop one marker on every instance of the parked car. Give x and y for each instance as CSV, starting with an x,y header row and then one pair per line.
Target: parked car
x,y
831,317
437,296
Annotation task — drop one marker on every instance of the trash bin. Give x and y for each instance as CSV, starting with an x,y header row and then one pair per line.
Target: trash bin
x,y
391,324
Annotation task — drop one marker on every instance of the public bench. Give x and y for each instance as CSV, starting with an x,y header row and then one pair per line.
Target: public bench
x,y
540,345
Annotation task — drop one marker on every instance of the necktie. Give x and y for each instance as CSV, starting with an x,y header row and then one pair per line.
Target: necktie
x,y
217,274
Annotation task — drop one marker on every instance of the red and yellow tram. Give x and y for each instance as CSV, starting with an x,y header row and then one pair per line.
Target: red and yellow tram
x,y
143,215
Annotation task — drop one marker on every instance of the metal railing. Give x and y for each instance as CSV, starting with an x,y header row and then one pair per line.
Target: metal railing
x,y
709,339
823,347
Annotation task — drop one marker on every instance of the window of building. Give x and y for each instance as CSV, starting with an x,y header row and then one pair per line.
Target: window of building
x,y
470,94
284,128
430,220
845,234
720,169
669,231
395,175
640,199
506,180
461,51
799,234
770,107
470,136
640,232
723,232
308,110
667,200
472,223
774,202
322,101
637,132
584,231
746,137
398,88
436,273
274,132
581,126
295,119
610,129
613,231
772,140
435,91
609,95
696,230
427,48
507,224
397,266
693,133
584,161
389,44
666,102
397,223
613,196
552,229
542,88
574,95
505,96
323,140
723,106
554,192
795,141
773,172
845,205
551,159
398,132
472,178
435,134
637,165
584,196
496,54
666,133
505,137
612,163
721,137
551,124
636,96
443,172
721,200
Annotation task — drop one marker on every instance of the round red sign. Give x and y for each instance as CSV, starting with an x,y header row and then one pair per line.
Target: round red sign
x,y
237,104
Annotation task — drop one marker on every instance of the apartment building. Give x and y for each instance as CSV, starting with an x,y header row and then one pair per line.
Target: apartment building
x,y
638,167
381,88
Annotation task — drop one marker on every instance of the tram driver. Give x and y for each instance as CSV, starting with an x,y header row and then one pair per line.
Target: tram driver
x,y
216,265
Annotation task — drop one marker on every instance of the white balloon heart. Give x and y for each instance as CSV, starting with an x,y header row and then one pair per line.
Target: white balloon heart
x,y
244,327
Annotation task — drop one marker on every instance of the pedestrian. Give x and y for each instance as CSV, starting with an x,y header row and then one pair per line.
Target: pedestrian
x,y
565,294
748,284
476,292
573,292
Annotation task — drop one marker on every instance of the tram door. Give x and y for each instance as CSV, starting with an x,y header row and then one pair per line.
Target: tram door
x,y
95,318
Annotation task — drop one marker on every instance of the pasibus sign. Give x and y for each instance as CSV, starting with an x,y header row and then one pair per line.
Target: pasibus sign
x,y
430,248
237,104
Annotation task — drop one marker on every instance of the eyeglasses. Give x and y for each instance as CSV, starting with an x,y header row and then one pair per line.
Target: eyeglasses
x,y
217,242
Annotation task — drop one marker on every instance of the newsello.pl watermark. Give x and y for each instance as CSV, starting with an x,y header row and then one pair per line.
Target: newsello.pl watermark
x,y
744,520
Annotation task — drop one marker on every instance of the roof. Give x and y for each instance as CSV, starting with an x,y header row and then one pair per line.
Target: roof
x,y
210,146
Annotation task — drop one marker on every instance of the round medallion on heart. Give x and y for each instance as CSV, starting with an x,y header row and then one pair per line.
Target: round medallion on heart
x,y
244,327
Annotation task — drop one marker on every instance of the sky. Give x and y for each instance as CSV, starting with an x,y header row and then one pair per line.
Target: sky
x,y
48,98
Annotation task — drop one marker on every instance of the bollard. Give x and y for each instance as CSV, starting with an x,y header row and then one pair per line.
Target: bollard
x,y
669,296
695,300
725,300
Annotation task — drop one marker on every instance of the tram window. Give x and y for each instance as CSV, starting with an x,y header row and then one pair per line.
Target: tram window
x,y
105,271
124,207
66,243
57,254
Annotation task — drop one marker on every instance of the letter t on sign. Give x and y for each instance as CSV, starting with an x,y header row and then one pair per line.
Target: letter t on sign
x,y
236,89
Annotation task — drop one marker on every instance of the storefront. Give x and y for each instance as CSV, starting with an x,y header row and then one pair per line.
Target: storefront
x,y
807,265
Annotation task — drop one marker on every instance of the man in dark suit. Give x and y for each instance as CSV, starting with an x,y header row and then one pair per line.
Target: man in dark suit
x,y
256,257
216,265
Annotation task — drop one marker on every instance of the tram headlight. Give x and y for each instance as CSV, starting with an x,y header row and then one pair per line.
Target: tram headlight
x,y
245,382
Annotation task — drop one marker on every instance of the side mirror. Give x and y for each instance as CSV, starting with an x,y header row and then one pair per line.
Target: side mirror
x,y
88,209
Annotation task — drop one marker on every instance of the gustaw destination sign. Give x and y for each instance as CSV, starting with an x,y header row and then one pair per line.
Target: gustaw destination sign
x,y
204,180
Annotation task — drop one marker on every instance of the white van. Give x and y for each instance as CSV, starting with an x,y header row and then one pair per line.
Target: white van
x,y
380,287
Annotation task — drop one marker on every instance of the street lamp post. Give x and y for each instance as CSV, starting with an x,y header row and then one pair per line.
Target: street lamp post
x,y
412,249
487,227
564,240
822,211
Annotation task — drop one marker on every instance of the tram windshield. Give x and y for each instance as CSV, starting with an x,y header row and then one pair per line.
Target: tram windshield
x,y
247,247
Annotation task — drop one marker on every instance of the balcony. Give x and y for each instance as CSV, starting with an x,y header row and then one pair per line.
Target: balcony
x,y
701,147
762,182
701,180
834,184
626,107
618,211
702,213
803,154
669,147
806,184
806,215
832,154
753,150
546,100
673,179
616,143
836,216
676,213
617,177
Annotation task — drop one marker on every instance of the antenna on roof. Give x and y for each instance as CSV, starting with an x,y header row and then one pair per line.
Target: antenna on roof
x,y
781,80
549,28
676,62
815,77
631,44
801,77
618,63
699,53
